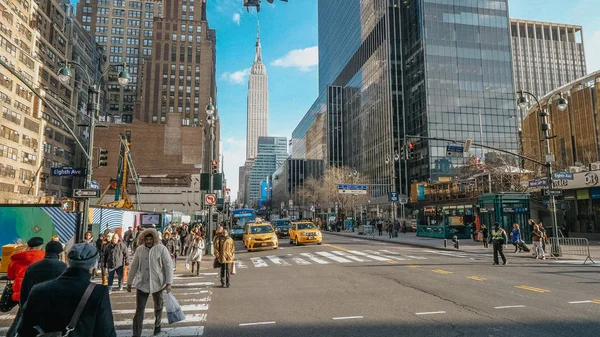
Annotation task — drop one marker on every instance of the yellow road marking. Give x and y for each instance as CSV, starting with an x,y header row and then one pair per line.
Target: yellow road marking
x,y
440,271
413,266
477,278
392,262
538,290
596,301
336,247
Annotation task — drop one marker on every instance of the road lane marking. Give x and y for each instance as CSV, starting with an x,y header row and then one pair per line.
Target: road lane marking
x,y
193,284
240,264
348,256
414,257
372,257
386,256
171,332
256,323
300,261
447,253
333,257
413,266
510,306
258,262
596,301
477,278
441,271
392,255
209,274
278,261
185,308
538,290
150,321
336,247
580,302
314,258
430,313
347,317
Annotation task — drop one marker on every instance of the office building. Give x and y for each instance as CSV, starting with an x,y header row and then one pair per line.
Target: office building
x,y
288,179
272,152
258,102
546,55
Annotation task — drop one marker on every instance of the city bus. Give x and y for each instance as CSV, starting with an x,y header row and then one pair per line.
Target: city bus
x,y
242,216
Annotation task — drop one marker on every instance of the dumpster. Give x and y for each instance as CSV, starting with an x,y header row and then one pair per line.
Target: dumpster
x,y
7,251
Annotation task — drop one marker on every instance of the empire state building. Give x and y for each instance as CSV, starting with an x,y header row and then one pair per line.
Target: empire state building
x,y
258,102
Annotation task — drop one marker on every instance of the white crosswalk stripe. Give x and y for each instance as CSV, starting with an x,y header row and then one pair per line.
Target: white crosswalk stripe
x,y
277,260
300,261
167,332
240,265
333,257
314,258
258,262
352,257
370,256
459,255
386,256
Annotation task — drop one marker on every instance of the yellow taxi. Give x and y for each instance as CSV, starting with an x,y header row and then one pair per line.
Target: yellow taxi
x,y
260,235
305,232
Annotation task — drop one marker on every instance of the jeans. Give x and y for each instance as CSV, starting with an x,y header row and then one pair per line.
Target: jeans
x,y
498,250
539,251
141,299
111,276
225,273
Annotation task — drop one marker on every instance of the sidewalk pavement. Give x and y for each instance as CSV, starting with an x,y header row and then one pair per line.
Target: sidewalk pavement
x,y
465,245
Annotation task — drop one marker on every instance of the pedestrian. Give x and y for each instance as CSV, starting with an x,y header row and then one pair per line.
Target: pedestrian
x,y
88,238
108,235
171,245
536,237
182,237
219,231
515,237
151,272
52,304
404,227
116,256
484,233
46,269
390,229
99,243
396,229
498,240
544,239
380,228
128,237
225,254
62,255
16,272
473,231
195,254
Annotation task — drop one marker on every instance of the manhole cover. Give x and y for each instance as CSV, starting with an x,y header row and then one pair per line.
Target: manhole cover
x,y
36,229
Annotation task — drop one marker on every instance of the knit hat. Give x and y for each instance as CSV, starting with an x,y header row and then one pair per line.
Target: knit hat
x,y
35,241
83,255
54,247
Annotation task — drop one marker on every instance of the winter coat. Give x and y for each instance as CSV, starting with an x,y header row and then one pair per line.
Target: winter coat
x,y
128,236
160,264
516,236
103,252
224,249
196,251
99,244
115,255
171,244
52,304
18,266
48,268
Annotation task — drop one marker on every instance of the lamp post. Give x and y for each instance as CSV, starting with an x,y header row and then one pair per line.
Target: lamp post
x,y
93,108
561,104
211,119
387,161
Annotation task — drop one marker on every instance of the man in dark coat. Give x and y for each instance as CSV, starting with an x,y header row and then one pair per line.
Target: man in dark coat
x,y
51,305
45,270
115,257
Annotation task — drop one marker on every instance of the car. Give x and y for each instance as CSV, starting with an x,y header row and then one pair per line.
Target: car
x,y
305,232
282,227
237,232
259,236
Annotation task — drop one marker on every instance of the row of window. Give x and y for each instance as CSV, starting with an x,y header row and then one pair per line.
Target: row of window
x,y
12,153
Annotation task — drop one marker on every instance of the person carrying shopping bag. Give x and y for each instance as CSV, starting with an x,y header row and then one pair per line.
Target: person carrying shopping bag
x,y
195,253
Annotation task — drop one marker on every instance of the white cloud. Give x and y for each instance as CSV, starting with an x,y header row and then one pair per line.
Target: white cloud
x,y
302,59
237,77
234,151
237,18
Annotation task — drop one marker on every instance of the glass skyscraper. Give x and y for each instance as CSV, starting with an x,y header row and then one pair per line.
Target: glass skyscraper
x,y
390,68
271,154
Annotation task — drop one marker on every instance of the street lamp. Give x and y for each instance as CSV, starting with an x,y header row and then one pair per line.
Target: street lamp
x,y
545,127
93,108
211,119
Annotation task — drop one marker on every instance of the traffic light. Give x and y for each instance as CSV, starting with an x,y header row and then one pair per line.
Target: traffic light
x,y
410,150
215,167
68,205
102,157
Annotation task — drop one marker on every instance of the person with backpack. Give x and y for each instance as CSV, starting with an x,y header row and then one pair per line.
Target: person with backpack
x,y
498,240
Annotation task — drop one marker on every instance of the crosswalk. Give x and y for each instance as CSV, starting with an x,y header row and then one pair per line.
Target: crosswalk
x,y
339,256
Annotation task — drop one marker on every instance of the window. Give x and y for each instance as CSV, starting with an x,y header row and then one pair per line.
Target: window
x,y
8,152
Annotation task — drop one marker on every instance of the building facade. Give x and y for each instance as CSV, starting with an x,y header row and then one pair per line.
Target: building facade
x,y
272,152
546,55
258,102
289,178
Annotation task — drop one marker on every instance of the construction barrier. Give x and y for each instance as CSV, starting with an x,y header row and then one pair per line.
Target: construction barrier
x,y
571,247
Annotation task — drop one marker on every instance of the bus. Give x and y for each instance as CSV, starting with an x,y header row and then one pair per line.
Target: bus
x,y
242,216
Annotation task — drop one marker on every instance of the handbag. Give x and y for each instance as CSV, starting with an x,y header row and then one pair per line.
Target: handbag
x,y
233,269
71,327
6,301
216,263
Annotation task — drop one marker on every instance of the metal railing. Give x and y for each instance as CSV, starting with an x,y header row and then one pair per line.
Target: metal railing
x,y
571,246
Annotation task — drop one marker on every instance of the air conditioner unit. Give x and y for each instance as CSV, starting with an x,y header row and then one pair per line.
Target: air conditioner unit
x,y
574,169
595,166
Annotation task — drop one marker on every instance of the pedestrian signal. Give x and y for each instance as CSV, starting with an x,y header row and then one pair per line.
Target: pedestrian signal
x,y
68,205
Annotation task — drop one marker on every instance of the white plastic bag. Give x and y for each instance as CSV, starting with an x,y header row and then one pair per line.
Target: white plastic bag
x,y
174,312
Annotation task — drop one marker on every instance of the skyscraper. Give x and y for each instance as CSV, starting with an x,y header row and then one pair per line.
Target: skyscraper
x,y
546,55
258,102
271,154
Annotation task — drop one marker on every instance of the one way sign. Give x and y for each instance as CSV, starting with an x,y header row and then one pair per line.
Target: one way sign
x,y
89,193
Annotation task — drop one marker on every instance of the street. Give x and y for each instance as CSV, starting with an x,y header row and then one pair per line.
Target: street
x,y
355,287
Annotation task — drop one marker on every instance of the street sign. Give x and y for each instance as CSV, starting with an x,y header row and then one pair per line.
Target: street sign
x,y
87,193
455,150
393,196
402,199
68,172
563,175
94,185
210,199
197,166
352,189
538,182
553,193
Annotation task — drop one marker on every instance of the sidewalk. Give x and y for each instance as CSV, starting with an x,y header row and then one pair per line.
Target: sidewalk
x,y
466,245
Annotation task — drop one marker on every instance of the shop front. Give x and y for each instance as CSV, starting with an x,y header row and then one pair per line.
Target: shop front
x,y
506,209
446,221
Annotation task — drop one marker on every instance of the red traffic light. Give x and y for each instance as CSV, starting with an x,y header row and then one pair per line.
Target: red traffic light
x,y
411,146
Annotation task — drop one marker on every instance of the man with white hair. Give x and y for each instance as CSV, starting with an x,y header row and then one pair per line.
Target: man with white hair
x,y
52,305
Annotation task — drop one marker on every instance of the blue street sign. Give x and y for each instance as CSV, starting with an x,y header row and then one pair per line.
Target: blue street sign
x,y
393,196
68,171
563,175
538,182
455,148
95,185
352,187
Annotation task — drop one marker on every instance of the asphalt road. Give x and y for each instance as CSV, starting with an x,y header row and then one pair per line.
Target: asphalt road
x,y
354,287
